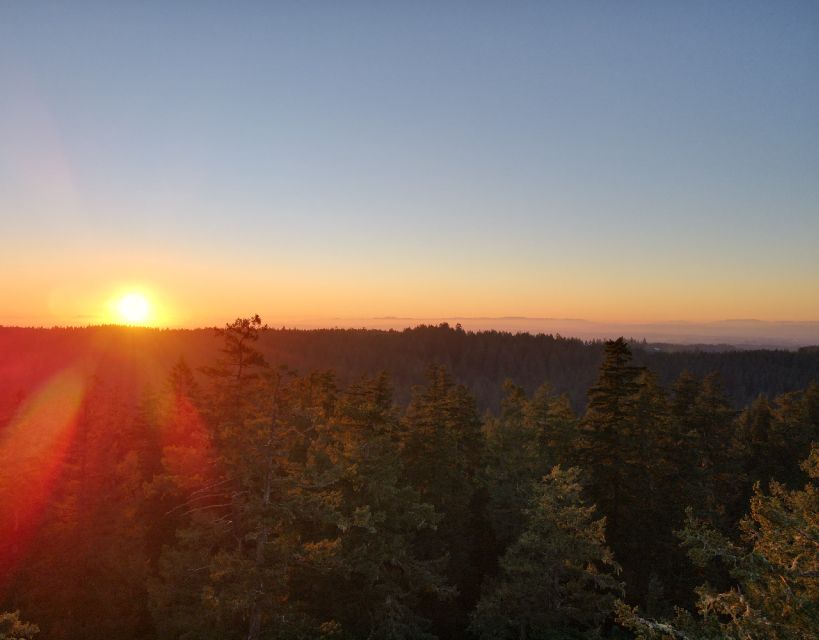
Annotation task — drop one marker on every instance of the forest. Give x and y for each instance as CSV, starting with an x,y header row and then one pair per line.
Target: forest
x,y
135,357
433,483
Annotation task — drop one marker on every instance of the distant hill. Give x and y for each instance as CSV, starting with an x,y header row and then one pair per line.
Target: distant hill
x,y
135,357
740,333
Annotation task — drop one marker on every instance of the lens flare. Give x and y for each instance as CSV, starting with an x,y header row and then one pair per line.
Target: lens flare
x,y
32,452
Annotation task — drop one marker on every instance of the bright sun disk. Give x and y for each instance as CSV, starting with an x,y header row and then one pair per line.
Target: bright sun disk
x,y
134,308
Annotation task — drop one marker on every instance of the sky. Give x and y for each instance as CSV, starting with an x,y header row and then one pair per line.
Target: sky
x,y
316,161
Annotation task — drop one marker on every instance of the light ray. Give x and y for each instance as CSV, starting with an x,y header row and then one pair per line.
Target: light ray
x,y
32,451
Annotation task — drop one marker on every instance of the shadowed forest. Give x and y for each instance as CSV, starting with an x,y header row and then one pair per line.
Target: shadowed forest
x,y
430,483
136,357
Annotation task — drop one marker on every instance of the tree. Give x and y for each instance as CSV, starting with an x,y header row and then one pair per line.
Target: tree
x,y
12,628
653,497
228,574
92,532
558,578
624,444
607,432
552,418
795,426
237,385
375,580
717,456
776,570
754,434
514,462
440,451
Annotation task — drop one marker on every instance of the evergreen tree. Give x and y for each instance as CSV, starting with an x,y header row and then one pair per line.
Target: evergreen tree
x,y
607,433
755,437
513,464
228,575
718,474
776,571
440,451
375,579
186,453
653,496
795,426
556,425
93,532
558,579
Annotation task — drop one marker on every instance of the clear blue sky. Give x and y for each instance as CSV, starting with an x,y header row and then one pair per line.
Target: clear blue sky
x,y
432,158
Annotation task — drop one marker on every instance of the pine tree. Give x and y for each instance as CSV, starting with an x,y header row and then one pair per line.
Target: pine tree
x,y
514,462
718,473
776,570
556,425
653,496
755,437
607,434
558,578
228,574
795,426
440,451
375,580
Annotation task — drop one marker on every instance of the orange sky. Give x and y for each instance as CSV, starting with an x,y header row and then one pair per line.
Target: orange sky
x,y
612,165
187,293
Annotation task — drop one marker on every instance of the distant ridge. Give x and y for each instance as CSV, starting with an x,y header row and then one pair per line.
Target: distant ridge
x,y
743,333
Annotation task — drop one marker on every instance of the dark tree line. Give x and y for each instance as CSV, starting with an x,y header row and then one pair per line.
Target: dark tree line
x,y
481,361
243,500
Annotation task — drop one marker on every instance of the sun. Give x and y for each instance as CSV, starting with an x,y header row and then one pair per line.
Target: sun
x,y
134,308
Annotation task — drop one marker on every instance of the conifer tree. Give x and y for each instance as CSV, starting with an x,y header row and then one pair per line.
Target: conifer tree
x,y
632,444
375,578
92,532
795,426
718,473
552,418
755,437
440,451
228,574
558,578
608,433
653,496
514,462
776,570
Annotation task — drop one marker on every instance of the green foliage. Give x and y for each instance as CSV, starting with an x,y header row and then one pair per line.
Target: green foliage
x,y
521,445
238,546
441,448
558,578
630,447
607,440
255,503
555,423
306,525
794,427
514,461
776,570
12,628
375,578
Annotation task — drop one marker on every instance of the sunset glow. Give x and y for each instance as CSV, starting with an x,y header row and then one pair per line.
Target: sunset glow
x,y
460,321
134,309
615,183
